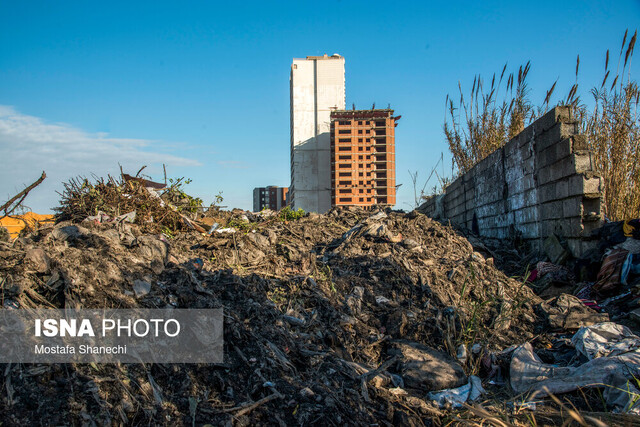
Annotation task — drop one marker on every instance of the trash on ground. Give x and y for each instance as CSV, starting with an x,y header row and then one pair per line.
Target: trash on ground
x,y
530,375
604,340
454,398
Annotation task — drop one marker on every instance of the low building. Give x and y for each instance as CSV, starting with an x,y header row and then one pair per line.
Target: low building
x,y
363,159
271,197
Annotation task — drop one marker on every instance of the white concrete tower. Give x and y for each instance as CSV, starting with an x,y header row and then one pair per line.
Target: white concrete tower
x,y
317,88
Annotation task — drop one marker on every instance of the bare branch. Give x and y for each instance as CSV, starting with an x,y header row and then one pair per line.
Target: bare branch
x,y
17,200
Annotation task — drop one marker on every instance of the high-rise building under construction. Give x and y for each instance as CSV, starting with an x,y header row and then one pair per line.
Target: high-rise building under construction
x,y
363,157
317,88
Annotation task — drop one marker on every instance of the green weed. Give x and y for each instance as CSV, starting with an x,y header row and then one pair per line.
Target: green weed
x,y
288,214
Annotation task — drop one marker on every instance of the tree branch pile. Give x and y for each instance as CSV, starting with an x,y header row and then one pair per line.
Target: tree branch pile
x,y
114,197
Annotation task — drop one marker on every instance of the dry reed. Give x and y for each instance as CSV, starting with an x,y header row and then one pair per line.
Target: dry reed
x,y
480,124
613,134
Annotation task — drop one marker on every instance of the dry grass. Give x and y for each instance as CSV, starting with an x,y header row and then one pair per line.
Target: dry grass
x,y
503,411
613,130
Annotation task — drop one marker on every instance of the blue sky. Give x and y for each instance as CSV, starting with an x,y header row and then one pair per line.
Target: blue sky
x,y
204,86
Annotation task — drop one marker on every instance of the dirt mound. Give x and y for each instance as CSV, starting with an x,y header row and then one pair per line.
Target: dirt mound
x,y
319,314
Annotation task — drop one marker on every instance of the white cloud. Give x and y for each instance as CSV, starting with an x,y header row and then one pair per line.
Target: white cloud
x,y
29,145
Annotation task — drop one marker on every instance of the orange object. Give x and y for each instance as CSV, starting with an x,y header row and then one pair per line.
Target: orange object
x,y
16,223
363,158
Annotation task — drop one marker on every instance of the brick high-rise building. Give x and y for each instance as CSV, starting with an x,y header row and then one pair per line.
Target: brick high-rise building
x,y
363,157
317,88
271,197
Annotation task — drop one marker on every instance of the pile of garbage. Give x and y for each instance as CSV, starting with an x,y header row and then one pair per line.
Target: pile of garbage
x,y
352,317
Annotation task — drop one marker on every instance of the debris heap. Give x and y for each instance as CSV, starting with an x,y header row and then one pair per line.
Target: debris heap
x,y
351,317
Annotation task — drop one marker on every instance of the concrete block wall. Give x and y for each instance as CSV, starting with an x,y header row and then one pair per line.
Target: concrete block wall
x,y
542,182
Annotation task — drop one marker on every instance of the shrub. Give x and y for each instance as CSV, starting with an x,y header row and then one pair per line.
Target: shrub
x,y
176,195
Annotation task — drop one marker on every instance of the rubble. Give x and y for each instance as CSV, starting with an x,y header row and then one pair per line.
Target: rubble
x,y
352,317
321,323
